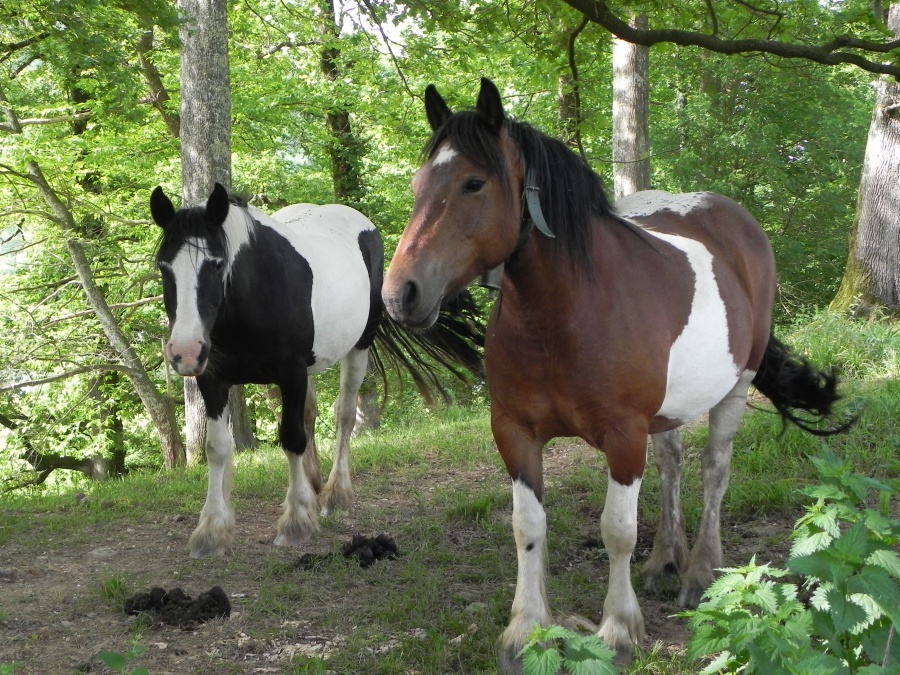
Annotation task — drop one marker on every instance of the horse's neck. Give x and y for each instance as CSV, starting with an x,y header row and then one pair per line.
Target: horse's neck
x,y
538,278
543,279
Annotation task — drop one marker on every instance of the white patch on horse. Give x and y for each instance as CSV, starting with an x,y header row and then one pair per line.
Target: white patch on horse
x,y
444,155
327,237
622,620
187,329
648,202
701,367
238,228
530,605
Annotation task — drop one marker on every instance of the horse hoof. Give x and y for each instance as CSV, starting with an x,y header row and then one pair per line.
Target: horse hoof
x,y
201,552
332,500
624,654
292,540
690,596
508,663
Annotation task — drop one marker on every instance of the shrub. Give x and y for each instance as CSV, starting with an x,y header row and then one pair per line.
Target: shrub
x,y
836,607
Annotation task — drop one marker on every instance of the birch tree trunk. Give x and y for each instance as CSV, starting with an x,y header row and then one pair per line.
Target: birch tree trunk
x,y
631,115
871,279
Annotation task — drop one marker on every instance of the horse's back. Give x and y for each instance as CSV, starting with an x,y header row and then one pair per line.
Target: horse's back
x,y
713,219
344,252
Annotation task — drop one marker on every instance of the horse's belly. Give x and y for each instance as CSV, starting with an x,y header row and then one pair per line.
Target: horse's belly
x,y
328,238
702,369
340,314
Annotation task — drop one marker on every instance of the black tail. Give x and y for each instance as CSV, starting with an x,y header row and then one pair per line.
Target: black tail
x,y
455,341
791,383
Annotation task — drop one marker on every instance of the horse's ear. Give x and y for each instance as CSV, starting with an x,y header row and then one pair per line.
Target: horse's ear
x,y
437,110
489,106
161,207
218,204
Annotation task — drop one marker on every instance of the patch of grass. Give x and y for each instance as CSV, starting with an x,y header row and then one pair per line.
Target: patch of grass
x,y
475,507
114,588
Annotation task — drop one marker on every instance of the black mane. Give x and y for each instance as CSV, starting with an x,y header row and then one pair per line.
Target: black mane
x,y
571,193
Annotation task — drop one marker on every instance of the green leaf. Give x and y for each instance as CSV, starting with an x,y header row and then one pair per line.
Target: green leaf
x,y
811,543
853,546
845,613
540,661
720,663
113,660
589,655
822,565
875,582
887,560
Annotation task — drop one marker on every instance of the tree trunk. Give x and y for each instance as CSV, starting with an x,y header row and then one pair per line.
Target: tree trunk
x,y
631,115
205,131
239,420
205,99
871,281
194,423
345,149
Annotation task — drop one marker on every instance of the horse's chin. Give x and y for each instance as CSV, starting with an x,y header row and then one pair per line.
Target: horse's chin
x,y
428,320
190,372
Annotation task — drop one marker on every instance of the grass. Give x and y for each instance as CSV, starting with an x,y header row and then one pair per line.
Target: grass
x,y
434,481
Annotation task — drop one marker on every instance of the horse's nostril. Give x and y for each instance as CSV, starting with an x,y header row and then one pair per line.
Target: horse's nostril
x,y
410,295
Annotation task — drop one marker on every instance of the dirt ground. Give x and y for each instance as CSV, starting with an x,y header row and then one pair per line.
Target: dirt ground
x,y
56,619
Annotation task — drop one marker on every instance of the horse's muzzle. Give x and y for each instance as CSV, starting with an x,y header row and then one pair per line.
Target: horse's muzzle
x,y
409,304
188,360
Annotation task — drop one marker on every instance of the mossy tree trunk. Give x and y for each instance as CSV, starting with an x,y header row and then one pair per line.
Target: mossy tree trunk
x,y
871,281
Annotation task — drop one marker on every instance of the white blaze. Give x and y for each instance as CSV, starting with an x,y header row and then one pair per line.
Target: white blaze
x,y
444,155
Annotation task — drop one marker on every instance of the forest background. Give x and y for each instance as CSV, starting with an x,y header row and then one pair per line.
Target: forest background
x,y
326,106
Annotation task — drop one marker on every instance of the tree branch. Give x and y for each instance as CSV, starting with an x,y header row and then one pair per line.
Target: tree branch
x,y
387,44
11,48
120,305
576,82
830,54
159,96
99,367
16,128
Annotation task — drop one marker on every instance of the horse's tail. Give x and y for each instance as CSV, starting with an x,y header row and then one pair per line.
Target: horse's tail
x,y
455,341
792,383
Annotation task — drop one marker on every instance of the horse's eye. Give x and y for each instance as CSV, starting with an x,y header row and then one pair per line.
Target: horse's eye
x,y
473,185
219,263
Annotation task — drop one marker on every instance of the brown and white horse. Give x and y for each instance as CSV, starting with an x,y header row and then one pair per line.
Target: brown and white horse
x,y
610,325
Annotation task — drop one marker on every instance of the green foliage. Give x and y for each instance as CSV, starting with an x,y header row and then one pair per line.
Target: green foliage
x,y
555,649
121,663
842,617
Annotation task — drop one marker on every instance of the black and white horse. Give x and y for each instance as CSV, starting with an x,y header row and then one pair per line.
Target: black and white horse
x,y
276,299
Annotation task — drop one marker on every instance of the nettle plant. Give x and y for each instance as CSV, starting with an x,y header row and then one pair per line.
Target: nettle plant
x,y
843,614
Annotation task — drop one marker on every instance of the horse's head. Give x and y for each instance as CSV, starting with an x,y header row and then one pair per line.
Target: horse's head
x,y
468,213
191,257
